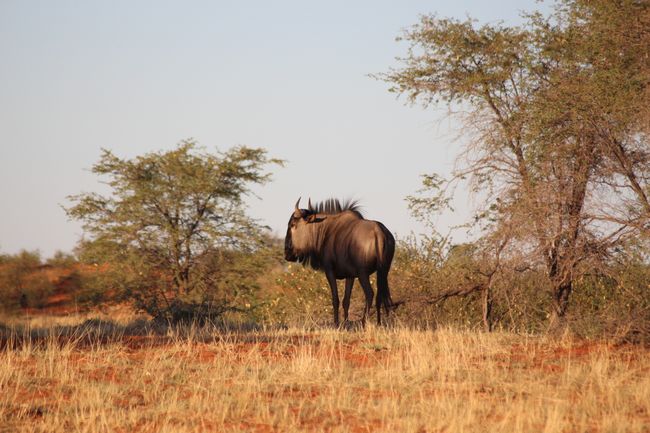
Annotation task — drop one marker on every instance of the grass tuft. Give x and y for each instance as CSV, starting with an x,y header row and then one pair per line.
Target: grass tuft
x,y
101,376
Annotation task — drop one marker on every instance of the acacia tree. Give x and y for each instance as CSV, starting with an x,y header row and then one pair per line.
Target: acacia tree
x,y
170,220
558,115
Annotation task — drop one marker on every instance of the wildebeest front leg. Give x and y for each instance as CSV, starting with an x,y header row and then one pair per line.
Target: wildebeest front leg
x,y
349,282
367,290
331,279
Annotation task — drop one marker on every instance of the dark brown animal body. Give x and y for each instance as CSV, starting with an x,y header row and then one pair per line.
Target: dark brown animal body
x,y
337,239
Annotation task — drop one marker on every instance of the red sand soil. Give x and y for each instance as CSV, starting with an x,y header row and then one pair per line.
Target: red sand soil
x,y
65,280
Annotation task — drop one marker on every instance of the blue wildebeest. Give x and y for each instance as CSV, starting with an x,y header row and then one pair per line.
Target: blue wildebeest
x,y
336,239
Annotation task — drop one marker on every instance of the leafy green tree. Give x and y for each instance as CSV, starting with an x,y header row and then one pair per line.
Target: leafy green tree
x,y
171,223
557,111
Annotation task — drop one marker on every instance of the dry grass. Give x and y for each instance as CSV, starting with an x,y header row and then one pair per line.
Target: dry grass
x,y
393,380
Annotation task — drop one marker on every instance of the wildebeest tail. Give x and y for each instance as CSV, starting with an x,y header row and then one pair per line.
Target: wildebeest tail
x,y
385,255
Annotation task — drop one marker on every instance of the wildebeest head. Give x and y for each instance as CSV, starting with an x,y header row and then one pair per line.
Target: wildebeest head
x,y
298,239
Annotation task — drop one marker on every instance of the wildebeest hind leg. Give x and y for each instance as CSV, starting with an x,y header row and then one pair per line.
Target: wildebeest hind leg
x,y
331,279
349,282
367,290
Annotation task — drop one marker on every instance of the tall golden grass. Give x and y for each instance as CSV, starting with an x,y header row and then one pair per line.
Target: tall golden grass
x,y
301,380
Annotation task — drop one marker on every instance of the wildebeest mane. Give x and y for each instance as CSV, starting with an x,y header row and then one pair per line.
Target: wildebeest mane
x,y
333,206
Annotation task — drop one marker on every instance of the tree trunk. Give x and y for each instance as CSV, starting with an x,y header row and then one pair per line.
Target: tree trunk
x,y
561,293
487,308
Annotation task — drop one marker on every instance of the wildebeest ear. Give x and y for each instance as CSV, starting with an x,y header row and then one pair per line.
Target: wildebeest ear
x,y
313,218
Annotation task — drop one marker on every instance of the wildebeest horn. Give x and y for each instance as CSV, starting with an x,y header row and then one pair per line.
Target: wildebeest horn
x,y
309,204
297,211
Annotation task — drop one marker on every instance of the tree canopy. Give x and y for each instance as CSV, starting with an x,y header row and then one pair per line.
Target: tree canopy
x,y
172,220
558,112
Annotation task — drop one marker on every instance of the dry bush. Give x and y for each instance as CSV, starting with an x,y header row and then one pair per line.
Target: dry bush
x,y
292,295
23,281
612,304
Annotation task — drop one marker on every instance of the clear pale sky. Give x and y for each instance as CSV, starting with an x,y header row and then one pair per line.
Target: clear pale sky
x,y
290,76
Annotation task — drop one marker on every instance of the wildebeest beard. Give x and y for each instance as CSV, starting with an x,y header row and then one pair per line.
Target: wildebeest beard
x,y
289,255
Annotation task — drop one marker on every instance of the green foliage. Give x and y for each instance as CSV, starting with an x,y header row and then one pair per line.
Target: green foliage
x,y
174,233
432,199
